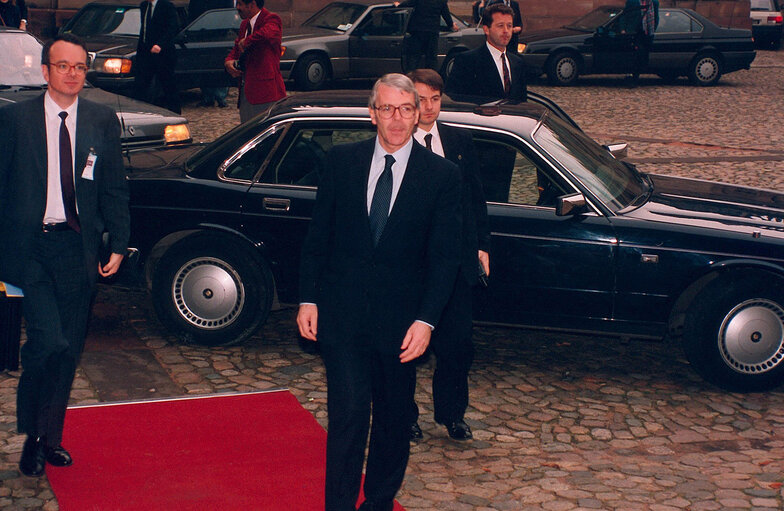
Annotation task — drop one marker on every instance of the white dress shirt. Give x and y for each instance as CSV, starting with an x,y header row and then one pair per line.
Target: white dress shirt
x,y
398,170
435,143
496,54
55,211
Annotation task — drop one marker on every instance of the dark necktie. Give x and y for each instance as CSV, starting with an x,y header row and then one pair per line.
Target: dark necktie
x,y
67,176
507,80
429,141
382,197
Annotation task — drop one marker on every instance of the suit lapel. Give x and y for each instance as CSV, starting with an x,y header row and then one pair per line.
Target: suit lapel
x,y
408,195
40,158
492,70
84,137
448,141
360,183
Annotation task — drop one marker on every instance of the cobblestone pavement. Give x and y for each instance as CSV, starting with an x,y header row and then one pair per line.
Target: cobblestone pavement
x,y
561,422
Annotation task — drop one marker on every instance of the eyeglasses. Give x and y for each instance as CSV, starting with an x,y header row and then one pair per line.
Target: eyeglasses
x,y
388,111
63,68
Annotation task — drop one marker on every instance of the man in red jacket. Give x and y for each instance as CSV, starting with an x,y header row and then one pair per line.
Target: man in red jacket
x,y
255,59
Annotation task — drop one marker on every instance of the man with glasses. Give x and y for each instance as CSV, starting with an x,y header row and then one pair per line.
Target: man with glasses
x,y
62,184
378,265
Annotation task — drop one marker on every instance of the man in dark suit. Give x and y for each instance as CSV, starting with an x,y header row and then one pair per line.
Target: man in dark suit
x,y
451,342
517,22
255,59
378,264
424,25
156,55
489,72
62,185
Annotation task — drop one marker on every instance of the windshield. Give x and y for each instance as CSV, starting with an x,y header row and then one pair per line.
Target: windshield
x,y
20,60
336,16
595,19
614,183
105,19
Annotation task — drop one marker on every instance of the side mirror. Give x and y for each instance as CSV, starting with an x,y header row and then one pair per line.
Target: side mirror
x,y
619,151
571,204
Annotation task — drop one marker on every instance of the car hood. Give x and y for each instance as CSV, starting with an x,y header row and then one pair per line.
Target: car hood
x,y
714,205
552,33
299,33
160,163
111,45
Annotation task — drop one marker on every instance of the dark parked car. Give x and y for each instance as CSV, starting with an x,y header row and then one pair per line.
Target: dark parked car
x,y
580,240
112,31
685,43
144,125
347,40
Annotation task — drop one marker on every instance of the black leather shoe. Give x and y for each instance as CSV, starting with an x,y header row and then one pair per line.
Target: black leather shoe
x,y
382,505
33,458
58,456
415,432
459,430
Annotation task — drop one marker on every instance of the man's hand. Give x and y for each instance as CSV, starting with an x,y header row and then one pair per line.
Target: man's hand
x,y
242,44
484,258
455,28
517,30
307,320
111,267
415,342
233,71
155,49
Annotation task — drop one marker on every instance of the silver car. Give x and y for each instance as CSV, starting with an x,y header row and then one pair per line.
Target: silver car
x,y
143,125
347,40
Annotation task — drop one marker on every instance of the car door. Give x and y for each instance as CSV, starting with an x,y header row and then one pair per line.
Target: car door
x,y
279,204
678,38
202,47
376,45
545,270
614,43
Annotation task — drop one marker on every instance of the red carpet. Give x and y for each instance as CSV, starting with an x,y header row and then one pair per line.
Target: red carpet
x,y
258,451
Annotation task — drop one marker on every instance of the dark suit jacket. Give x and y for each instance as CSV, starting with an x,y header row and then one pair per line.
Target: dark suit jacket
x,y
102,202
261,58
380,291
459,149
162,28
424,17
475,78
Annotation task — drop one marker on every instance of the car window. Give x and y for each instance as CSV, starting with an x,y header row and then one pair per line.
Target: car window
x,y
222,25
20,60
304,152
247,166
384,22
105,19
763,5
509,175
336,16
676,22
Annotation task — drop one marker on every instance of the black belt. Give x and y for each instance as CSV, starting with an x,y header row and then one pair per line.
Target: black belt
x,y
62,226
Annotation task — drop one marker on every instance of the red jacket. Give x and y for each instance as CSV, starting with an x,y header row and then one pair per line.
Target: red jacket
x,y
263,81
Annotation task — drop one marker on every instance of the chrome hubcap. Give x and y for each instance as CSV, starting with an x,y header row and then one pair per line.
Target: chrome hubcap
x,y
751,337
315,72
208,293
566,69
706,69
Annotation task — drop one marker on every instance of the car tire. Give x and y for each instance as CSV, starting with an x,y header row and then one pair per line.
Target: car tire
x,y
733,333
563,69
311,72
448,64
705,69
211,291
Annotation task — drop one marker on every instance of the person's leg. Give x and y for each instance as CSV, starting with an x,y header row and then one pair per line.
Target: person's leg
x,y
165,73
431,50
220,94
348,408
143,79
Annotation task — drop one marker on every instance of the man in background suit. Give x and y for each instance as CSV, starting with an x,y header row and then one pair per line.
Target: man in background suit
x,y
489,72
424,25
451,342
156,55
62,184
378,264
255,59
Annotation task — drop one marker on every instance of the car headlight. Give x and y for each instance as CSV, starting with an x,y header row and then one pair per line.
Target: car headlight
x,y
176,133
113,66
521,47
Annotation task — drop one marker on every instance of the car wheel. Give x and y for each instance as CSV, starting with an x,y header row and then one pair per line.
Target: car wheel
x,y
705,70
563,69
311,72
211,291
446,68
734,332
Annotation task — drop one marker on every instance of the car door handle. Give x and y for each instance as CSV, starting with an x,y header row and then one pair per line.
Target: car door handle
x,y
276,204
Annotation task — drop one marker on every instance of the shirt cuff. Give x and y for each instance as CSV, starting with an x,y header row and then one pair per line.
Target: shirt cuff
x,y
426,323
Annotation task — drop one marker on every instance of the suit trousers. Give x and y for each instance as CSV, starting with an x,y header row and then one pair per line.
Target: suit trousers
x,y
454,351
420,50
361,378
56,307
149,66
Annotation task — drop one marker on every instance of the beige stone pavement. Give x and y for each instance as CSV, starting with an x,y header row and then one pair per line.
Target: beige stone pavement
x,y
561,422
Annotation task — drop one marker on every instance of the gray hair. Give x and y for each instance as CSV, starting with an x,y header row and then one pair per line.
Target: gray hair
x,y
396,81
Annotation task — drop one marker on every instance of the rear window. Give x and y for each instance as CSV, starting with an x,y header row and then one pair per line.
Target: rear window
x,y
764,5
